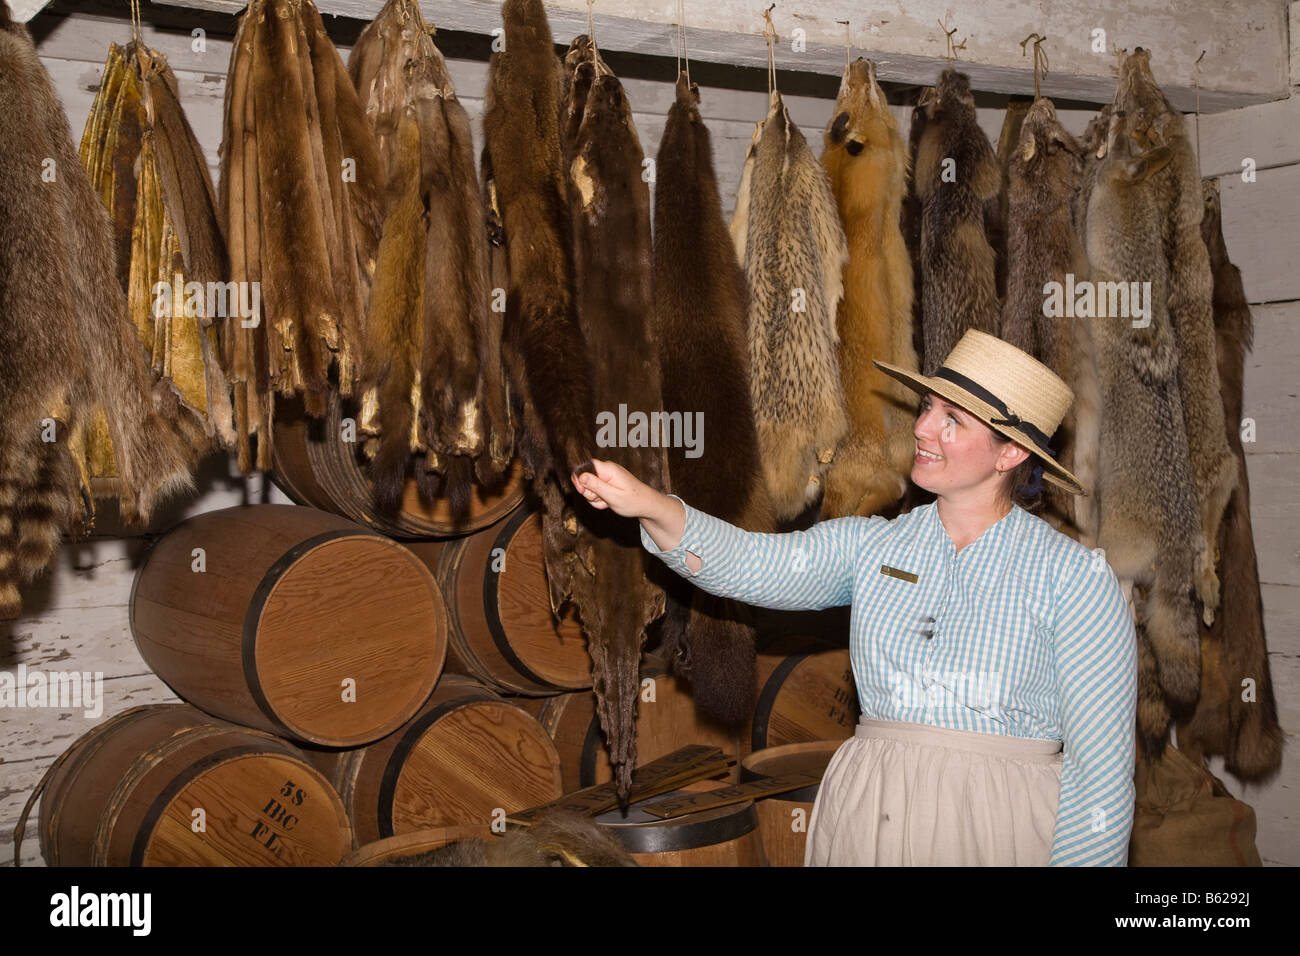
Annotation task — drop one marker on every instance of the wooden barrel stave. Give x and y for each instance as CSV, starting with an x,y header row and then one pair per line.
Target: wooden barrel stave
x,y
783,818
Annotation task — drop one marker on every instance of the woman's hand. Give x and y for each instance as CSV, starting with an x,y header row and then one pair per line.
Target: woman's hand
x,y
614,487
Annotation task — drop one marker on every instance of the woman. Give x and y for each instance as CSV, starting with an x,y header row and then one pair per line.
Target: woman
x,y
995,658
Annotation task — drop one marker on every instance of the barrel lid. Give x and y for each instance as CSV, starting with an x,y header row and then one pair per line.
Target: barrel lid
x,y
642,832
345,639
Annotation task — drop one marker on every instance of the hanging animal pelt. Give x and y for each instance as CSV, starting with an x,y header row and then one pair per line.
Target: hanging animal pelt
x,y
700,304
913,210
1043,175
794,251
1156,124
145,163
957,181
1245,732
1008,139
866,161
1149,519
66,343
558,838
432,386
609,206
301,195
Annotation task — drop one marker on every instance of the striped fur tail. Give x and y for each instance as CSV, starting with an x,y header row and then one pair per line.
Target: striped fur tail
x,y
37,503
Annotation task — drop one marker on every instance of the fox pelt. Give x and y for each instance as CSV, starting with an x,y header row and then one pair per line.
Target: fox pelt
x,y
428,362
65,339
866,161
1149,527
794,252
558,838
609,205
957,181
1156,124
700,304
1043,169
1245,732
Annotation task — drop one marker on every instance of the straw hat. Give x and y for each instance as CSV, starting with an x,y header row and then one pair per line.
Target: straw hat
x,y
1006,389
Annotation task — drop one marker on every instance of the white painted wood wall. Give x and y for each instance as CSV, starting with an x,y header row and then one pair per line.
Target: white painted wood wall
x,y
78,616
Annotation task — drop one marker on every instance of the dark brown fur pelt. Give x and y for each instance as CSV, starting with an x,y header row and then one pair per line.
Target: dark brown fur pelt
x,y
520,123
700,305
1155,124
1008,140
609,206
1233,648
1149,526
1043,169
866,161
959,280
558,838
794,257
910,220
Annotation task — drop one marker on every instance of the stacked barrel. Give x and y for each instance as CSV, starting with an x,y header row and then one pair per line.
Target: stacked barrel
x,y
352,699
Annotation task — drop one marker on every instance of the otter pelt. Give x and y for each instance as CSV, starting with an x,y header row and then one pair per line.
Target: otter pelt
x,y
1149,527
1233,648
957,177
609,205
700,304
65,338
866,162
1156,124
1043,175
558,838
795,253
551,373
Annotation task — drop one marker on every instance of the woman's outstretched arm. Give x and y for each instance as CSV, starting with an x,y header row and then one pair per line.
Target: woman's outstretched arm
x,y
802,570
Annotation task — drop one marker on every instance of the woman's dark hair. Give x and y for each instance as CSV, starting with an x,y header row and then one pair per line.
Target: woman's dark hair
x,y
1020,480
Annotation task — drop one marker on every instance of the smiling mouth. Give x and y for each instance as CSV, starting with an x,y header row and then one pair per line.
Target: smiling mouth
x,y
927,456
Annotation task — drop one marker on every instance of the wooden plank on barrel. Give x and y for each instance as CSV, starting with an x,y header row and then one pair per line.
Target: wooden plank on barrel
x,y
737,793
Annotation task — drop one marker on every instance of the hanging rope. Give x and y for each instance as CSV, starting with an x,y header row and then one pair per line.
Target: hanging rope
x,y
951,53
770,35
848,42
1040,60
682,54
596,61
1196,80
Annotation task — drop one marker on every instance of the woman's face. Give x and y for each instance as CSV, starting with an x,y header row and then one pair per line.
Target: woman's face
x,y
956,451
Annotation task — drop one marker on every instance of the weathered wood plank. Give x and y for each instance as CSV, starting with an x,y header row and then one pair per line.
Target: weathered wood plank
x,y
1274,491
1268,133
1271,394
1259,226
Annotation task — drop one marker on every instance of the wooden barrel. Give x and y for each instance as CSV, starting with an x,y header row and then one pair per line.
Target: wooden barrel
x,y
666,719
386,851
314,466
301,623
503,632
723,836
806,692
783,818
130,792
464,758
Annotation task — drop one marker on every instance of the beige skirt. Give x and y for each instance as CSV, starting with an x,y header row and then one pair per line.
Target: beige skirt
x,y
903,794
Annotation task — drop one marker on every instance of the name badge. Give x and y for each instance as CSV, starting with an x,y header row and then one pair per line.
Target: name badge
x,y
898,573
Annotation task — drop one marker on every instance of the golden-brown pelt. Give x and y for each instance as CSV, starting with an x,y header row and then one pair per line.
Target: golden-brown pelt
x,y
794,256
1234,718
558,838
866,160
700,302
66,343
958,181
1043,174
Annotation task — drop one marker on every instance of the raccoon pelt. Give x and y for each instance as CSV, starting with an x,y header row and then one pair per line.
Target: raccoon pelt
x,y
558,838
910,219
1043,174
795,252
65,339
1149,527
1156,124
1008,139
700,304
866,162
957,179
1233,648
609,206
551,373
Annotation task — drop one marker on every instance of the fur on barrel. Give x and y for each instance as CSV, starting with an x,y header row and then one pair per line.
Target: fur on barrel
x,y
66,342
700,303
1043,169
609,203
788,234
1148,516
1233,649
866,161
957,182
